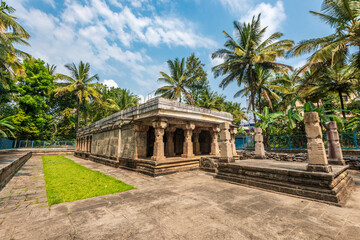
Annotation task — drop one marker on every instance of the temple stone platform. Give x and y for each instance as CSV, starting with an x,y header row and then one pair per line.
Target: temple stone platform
x,y
290,178
146,165
10,162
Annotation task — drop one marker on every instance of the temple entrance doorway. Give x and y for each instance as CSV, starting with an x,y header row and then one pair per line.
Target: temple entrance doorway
x,y
205,142
178,141
150,142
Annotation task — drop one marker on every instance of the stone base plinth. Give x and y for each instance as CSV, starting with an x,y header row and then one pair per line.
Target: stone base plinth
x,y
146,166
319,168
290,178
336,162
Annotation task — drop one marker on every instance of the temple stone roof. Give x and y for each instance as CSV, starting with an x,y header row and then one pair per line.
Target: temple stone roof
x,y
162,107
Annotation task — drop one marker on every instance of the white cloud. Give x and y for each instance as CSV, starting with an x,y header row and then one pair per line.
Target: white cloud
x,y
110,83
271,16
104,35
236,6
50,2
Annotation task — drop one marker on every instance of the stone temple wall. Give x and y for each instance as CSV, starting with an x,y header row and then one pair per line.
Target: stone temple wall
x,y
127,141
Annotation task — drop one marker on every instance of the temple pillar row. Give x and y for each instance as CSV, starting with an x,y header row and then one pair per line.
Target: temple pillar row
x,y
233,132
196,134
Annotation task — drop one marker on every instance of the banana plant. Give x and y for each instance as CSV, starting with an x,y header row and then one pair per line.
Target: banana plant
x,y
325,115
293,116
267,120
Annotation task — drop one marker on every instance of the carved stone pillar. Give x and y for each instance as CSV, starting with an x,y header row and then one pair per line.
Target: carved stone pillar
x,y
259,144
316,150
334,147
226,150
158,153
169,145
233,132
77,144
188,150
214,141
140,141
196,142
118,153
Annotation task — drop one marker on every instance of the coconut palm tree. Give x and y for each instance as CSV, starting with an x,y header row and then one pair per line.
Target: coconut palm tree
x,y
51,69
245,50
11,33
178,82
339,80
79,83
343,15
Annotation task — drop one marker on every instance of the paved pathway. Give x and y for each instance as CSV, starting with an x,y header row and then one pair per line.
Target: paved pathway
x,y
188,205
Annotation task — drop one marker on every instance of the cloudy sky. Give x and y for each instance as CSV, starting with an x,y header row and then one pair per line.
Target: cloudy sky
x,y
127,42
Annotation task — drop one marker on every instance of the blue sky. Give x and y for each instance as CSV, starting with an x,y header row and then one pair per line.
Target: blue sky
x,y
128,42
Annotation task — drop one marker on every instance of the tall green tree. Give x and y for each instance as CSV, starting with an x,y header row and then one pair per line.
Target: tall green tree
x,y
245,50
80,84
33,118
177,82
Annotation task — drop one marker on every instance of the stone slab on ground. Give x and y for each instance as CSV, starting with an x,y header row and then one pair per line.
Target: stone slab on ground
x,y
184,205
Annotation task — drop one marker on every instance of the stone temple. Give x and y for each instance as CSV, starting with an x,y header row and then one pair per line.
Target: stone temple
x,y
158,137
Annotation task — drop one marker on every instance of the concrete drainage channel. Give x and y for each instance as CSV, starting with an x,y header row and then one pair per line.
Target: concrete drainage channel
x,y
10,163
12,160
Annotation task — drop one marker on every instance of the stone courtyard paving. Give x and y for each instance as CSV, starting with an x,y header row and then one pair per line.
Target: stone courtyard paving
x,y
188,205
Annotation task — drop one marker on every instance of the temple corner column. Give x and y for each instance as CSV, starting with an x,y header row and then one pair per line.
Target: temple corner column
x,y
226,151
188,150
214,141
159,151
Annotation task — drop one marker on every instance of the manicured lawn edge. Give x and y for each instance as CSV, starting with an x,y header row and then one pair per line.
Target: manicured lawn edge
x,y
68,181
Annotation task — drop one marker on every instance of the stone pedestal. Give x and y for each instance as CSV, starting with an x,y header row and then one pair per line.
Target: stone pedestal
x,y
169,146
226,149
259,144
316,150
188,150
233,132
158,153
334,147
196,142
214,141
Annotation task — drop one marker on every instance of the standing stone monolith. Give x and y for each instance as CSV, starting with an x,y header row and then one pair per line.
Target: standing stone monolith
x,y
259,144
316,150
334,147
226,151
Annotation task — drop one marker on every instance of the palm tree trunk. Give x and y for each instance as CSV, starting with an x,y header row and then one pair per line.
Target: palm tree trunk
x,y
342,104
259,102
77,116
252,92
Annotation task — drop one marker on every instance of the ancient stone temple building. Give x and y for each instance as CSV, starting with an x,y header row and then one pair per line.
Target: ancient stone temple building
x,y
158,137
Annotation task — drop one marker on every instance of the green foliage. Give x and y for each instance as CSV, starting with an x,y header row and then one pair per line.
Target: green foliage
x,y
247,50
67,181
79,84
325,115
177,82
33,118
354,123
6,128
268,120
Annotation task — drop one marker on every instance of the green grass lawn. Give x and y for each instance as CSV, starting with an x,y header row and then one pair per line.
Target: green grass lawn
x,y
67,181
